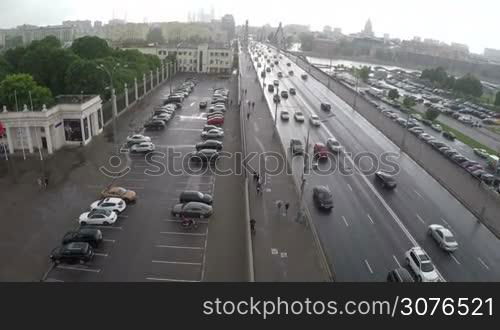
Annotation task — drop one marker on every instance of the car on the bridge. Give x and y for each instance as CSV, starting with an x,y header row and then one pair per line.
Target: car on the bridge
x,y
97,217
127,195
386,180
284,94
296,147
285,115
323,198
195,196
192,210
481,152
299,116
276,98
276,83
421,264
270,88
280,74
292,91
75,252
314,121
325,106
92,236
399,275
212,134
333,145
263,74
268,69
320,151
138,138
443,237
114,204
143,147
209,144
290,73
288,64
304,76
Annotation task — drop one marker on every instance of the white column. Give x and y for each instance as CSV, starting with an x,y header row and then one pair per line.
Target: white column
x,y
83,132
157,76
144,81
136,89
30,142
9,139
151,76
48,137
162,72
102,118
126,96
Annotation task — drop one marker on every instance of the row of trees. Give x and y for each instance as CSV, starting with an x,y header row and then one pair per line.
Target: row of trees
x,y
467,85
46,69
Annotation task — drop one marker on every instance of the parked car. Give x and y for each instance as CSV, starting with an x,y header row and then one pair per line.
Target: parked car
x,y
323,198
210,127
212,134
449,135
97,217
75,252
481,152
195,196
218,121
386,180
437,127
192,210
143,147
154,124
421,264
399,275
92,236
209,144
296,147
138,138
443,237
298,116
128,196
325,107
205,156
115,204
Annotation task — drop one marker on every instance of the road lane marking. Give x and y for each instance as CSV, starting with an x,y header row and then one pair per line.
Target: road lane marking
x,y
187,129
445,222
349,187
197,221
397,262
134,180
455,259
52,280
371,220
483,263
80,269
179,247
176,262
192,103
418,194
420,219
345,221
368,265
102,227
100,254
108,240
179,233
168,279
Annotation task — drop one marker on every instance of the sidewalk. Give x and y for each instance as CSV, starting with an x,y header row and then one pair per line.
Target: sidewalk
x,y
283,249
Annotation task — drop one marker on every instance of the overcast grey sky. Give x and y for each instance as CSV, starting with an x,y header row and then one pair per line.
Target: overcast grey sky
x,y
473,22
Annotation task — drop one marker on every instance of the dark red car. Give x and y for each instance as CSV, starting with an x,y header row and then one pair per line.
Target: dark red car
x,y
320,151
218,121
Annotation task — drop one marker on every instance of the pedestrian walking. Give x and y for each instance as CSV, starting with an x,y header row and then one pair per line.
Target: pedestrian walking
x,y
287,205
252,225
40,183
255,176
231,102
278,204
46,182
258,187
253,104
248,115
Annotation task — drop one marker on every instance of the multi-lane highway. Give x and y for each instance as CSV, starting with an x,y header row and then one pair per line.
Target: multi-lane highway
x,y
370,229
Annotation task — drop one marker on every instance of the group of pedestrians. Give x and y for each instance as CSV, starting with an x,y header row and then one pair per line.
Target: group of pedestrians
x,y
42,182
285,205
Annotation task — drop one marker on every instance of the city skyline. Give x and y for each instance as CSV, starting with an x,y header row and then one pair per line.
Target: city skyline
x,y
415,21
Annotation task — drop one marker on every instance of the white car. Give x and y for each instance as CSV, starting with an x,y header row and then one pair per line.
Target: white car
x,y
117,205
164,116
299,116
481,152
220,107
212,134
333,145
98,217
444,237
138,138
285,115
421,264
436,127
314,120
143,147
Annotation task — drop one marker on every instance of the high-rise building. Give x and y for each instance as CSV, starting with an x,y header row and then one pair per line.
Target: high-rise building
x,y
228,25
368,30
492,54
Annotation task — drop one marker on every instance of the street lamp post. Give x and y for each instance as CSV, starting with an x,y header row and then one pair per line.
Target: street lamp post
x,y
355,92
276,109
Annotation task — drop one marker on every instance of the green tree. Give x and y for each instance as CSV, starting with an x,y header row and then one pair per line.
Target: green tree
x,y
364,73
469,85
20,86
409,101
14,56
306,41
91,48
47,42
5,68
393,94
497,99
431,114
155,36
83,76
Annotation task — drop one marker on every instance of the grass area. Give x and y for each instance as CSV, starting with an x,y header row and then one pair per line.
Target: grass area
x,y
467,140
494,129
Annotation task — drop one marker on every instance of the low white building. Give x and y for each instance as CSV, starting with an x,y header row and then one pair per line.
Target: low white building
x,y
73,121
201,58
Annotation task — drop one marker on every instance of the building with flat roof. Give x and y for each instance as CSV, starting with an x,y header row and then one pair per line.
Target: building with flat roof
x,y
74,120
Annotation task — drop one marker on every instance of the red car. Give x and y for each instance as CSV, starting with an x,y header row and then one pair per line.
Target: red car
x,y
218,121
320,151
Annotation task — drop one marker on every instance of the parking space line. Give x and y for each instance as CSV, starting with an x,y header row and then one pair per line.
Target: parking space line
x,y
420,219
368,265
350,188
345,221
418,194
135,180
101,254
455,259
397,262
103,227
168,279
179,247
194,183
180,233
445,222
108,240
198,221
52,280
80,269
483,263
188,129
176,262
371,220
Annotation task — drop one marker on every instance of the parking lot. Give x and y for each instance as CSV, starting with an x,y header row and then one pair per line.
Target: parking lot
x,y
147,243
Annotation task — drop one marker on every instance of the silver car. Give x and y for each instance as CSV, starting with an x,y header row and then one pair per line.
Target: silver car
x,y
444,237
